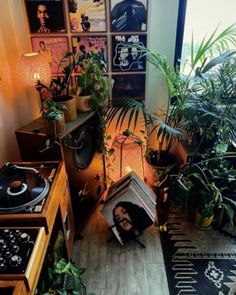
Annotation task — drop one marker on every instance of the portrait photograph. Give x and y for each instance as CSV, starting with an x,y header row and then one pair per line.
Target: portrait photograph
x,y
95,44
128,15
130,85
127,216
46,16
126,58
54,48
87,15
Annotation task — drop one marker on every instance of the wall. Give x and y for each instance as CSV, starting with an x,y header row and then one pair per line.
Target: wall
x,y
18,106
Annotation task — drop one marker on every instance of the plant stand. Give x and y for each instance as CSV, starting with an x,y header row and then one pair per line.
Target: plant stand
x,y
134,239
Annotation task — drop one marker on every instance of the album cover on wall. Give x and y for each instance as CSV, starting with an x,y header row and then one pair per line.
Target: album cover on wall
x,y
46,16
87,16
130,85
54,48
127,58
128,16
97,44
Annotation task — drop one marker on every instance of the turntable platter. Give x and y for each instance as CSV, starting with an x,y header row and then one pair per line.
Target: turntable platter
x,y
21,188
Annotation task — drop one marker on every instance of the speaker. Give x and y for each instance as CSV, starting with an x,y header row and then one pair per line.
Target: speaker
x,y
77,147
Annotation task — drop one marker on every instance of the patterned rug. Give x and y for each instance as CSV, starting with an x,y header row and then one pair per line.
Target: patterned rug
x,y
198,262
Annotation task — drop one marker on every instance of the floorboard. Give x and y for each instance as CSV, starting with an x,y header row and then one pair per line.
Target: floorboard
x,y
115,270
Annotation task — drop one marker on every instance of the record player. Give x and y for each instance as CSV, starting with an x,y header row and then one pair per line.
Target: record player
x,y
34,200
27,193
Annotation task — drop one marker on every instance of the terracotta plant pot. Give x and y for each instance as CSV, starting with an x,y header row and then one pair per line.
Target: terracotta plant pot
x,y
54,127
203,222
70,112
83,103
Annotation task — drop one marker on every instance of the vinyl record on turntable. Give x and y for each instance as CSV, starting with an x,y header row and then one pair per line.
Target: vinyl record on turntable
x,y
21,188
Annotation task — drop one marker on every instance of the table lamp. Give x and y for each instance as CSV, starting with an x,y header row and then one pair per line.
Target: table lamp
x,y
34,69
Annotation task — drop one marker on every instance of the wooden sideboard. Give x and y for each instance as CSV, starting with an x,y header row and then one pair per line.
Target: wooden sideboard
x,y
56,214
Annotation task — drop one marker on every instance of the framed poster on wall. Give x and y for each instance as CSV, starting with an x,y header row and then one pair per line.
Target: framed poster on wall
x,y
46,16
128,59
132,85
87,15
97,44
128,16
54,48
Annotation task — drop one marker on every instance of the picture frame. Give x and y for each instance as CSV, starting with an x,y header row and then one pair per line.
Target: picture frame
x,y
54,48
46,16
129,85
129,208
128,16
126,58
90,43
87,16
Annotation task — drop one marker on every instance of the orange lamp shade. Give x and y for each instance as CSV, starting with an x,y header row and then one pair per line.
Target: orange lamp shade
x,y
32,68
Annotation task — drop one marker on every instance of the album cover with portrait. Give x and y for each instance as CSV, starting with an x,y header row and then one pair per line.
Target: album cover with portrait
x,y
129,208
126,53
45,16
54,48
128,16
87,16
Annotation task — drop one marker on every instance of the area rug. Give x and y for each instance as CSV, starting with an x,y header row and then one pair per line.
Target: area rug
x,y
197,262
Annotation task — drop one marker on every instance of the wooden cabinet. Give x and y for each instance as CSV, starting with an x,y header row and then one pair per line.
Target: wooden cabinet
x,y
67,218
32,139
12,287
56,214
84,165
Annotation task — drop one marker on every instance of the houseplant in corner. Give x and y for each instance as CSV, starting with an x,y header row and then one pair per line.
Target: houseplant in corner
x,y
192,96
202,189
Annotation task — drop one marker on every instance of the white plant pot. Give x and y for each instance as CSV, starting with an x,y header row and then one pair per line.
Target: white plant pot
x,y
83,103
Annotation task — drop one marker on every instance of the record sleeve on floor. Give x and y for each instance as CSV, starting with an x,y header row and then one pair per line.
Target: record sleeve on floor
x,y
129,207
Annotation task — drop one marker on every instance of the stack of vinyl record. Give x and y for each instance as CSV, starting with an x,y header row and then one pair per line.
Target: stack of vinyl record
x,y
130,203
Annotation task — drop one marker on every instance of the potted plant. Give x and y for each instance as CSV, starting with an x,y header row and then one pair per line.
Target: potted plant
x,y
66,279
59,88
199,189
53,117
92,87
192,99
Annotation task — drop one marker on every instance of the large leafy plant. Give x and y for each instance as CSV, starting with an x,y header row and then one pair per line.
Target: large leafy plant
x,y
207,185
195,97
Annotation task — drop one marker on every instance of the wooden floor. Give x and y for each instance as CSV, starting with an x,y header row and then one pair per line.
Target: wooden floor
x,y
115,270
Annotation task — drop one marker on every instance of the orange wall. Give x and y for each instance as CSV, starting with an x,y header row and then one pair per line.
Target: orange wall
x,y
17,106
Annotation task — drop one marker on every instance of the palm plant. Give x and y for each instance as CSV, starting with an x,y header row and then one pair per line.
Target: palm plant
x,y
192,101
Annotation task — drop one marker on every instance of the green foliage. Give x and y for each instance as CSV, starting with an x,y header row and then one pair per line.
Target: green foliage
x,y
52,111
195,99
66,279
205,185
